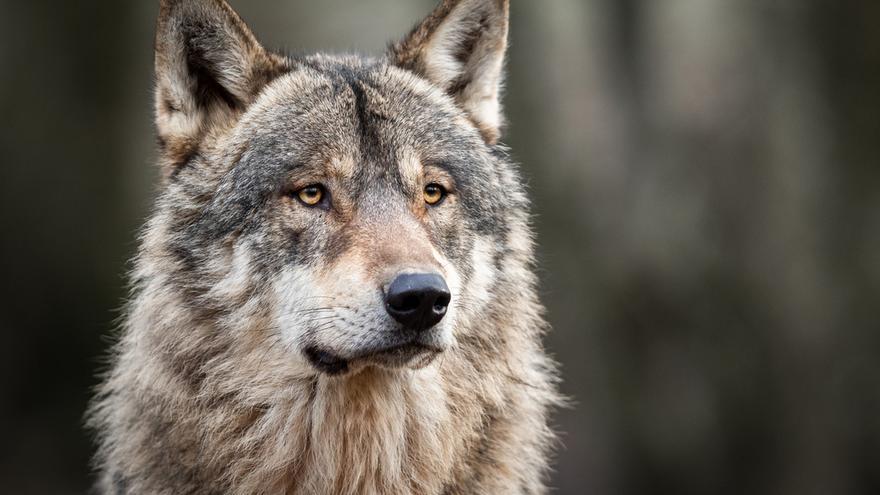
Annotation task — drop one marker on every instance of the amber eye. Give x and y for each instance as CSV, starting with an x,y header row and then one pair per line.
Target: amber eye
x,y
311,195
434,194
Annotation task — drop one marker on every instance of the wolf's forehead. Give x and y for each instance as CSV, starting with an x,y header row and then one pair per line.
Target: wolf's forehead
x,y
334,91
348,114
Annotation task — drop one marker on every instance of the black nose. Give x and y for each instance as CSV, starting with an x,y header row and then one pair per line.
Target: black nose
x,y
418,300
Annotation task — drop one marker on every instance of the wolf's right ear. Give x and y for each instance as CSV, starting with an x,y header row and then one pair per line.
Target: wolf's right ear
x,y
460,48
209,68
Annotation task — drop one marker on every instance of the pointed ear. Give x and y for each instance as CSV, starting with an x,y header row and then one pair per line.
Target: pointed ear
x,y
460,47
209,67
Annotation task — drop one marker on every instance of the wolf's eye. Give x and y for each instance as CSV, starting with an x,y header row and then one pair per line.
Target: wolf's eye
x,y
311,195
434,194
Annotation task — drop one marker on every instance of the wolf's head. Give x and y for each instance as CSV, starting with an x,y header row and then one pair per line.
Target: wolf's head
x,y
359,208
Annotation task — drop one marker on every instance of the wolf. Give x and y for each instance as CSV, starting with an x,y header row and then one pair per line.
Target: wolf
x,y
335,292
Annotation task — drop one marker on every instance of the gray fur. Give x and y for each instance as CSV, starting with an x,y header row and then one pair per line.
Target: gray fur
x,y
239,291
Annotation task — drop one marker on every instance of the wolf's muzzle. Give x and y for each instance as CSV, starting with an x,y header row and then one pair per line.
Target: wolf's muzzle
x,y
418,301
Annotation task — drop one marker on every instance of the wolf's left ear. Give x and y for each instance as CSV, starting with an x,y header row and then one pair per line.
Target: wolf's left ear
x,y
209,67
460,47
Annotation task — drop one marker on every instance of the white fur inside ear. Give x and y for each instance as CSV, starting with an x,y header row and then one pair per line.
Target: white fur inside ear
x,y
482,98
441,65
468,49
208,67
185,120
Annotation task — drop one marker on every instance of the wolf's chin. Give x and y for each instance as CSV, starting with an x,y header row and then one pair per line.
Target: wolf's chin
x,y
326,362
411,356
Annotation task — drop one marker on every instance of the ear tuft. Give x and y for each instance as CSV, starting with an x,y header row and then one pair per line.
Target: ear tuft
x,y
460,47
209,68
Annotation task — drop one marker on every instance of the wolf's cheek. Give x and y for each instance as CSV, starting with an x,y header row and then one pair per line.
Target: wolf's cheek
x,y
453,278
482,275
295,291
334,309
471,282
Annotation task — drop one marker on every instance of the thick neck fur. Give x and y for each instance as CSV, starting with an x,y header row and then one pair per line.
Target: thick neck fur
x,y
377,431
207,402
190,408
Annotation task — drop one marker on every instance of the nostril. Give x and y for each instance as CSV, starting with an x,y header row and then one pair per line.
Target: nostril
x,y
442,303
408,302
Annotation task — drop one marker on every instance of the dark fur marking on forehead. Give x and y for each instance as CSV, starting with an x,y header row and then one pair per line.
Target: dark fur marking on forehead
x,y
357,81
367,131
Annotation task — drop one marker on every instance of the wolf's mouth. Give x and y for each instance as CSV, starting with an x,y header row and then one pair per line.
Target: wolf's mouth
x,y
326,362
397,356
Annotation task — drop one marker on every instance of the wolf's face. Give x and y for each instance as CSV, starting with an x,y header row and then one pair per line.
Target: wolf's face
x,y
355,206
367,181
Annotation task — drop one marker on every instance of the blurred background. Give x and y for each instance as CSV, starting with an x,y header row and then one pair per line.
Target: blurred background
x,y
706,180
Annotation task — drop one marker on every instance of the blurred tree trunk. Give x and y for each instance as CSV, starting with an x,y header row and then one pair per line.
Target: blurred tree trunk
x,y
725,184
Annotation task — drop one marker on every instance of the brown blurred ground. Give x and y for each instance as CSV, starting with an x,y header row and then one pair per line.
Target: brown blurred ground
x,y
705,174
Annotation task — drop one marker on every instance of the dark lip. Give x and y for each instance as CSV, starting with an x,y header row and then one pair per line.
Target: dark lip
x,y
394,356
325,361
